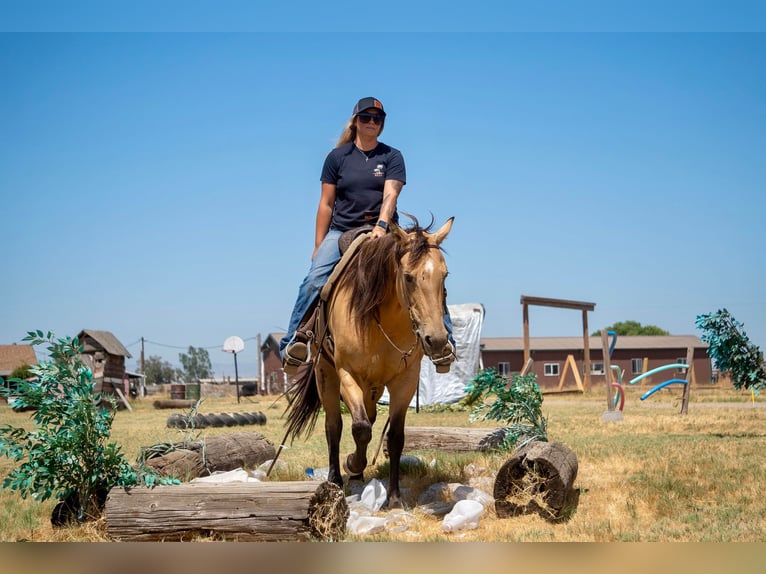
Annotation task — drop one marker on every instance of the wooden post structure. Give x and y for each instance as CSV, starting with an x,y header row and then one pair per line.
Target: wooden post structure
x,y
584,306
607,370
689,376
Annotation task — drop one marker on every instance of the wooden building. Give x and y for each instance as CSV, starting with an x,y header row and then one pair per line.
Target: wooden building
x,y
274,378
105,356
556,358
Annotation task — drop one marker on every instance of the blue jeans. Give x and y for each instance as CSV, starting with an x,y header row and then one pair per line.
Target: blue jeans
x,y
325,259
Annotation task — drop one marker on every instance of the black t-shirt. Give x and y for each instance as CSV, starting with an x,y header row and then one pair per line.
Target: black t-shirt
x,y
359,178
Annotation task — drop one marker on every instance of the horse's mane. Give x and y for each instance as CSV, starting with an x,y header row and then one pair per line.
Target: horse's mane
x,y
373,272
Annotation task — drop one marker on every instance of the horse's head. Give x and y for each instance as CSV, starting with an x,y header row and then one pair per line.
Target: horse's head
x,y
421,277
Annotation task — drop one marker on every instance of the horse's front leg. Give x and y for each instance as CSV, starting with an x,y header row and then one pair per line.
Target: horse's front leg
x,y
361,427
395,441
401,394
329,392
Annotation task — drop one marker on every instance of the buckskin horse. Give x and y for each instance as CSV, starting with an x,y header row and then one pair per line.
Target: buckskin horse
x,y
383,315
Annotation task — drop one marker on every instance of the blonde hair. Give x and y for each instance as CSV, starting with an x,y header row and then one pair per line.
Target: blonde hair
x,y
349,132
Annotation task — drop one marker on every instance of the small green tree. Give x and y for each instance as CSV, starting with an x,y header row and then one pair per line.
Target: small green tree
x,y
632,329
68,455
731,350
517,403
196,364
158,372
22,372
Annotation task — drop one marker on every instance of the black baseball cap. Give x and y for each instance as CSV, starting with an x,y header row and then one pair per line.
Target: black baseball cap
x,y
366,104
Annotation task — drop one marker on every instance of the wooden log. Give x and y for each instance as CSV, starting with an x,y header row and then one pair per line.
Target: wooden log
x,y
538,479
183,464
214,453
452,439
174,403
247,511
236,450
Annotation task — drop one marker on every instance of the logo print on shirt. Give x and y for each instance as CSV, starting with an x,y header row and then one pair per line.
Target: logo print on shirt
x,y
378,171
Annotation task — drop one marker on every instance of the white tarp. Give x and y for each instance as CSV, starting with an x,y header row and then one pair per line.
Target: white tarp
x,y
435,388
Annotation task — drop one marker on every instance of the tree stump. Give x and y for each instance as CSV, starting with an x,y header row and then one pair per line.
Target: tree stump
x,y
453,439
215,453
247,511
538,478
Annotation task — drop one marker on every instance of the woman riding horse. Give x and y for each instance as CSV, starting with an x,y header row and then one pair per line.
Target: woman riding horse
x,y
384,314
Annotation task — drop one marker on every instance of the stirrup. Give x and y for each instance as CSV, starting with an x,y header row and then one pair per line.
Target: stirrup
x,y
297,353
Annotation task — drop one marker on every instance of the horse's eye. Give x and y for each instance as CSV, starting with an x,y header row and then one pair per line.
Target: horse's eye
x,y
409,278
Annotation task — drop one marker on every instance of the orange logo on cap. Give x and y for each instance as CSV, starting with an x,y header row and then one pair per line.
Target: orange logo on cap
x,y
377,104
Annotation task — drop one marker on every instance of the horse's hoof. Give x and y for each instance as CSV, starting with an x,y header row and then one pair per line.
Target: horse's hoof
x,y
349,470
393,504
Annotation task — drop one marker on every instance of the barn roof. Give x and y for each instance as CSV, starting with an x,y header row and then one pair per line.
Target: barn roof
x,y
105,340
14,356
576,343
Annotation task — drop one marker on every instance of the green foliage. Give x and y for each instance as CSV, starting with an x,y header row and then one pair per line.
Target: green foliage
x,y
632,329
731,350
158,372
22,372
196,364
68,455
518,404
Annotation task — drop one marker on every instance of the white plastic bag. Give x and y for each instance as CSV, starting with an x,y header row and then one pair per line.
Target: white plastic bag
x,y
373,495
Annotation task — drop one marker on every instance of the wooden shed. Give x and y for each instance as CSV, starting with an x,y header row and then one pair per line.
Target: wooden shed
x,y
105,356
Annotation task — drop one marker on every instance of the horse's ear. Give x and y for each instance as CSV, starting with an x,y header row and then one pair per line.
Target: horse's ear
x,y
398,232
443,231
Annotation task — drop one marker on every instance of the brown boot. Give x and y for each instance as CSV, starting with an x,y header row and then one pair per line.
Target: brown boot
x,y
297,353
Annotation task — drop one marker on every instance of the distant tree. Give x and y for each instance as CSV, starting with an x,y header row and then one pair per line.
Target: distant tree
x,y
22,372
158,372
633,328
196,364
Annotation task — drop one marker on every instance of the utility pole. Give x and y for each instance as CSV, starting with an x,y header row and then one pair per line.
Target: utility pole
x,y
260,364
143,369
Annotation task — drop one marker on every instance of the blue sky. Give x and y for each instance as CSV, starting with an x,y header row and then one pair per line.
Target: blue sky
x,y
164,185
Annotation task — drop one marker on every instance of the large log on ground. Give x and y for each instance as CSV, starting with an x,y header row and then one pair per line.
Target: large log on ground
x,y
221,452
174,403
252,511
453,439
538,478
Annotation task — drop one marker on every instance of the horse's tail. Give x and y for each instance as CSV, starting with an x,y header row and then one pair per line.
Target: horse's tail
x,y
303,404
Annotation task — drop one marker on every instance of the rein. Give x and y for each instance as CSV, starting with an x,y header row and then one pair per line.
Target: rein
x,y
405,354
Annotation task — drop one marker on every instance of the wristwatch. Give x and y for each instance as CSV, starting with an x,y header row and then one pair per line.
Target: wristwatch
x,y
383,224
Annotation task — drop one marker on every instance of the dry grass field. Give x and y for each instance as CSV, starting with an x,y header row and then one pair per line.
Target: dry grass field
x,y
656,476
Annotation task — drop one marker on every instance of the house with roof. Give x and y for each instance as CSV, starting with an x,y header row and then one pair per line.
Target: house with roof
x,y
11,358
14,356
559,362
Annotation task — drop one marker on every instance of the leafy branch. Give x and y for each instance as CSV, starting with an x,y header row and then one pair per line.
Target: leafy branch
x,y
517,403
731,350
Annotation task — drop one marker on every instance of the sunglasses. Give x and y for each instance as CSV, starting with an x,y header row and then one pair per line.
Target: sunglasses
x,y
377,119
